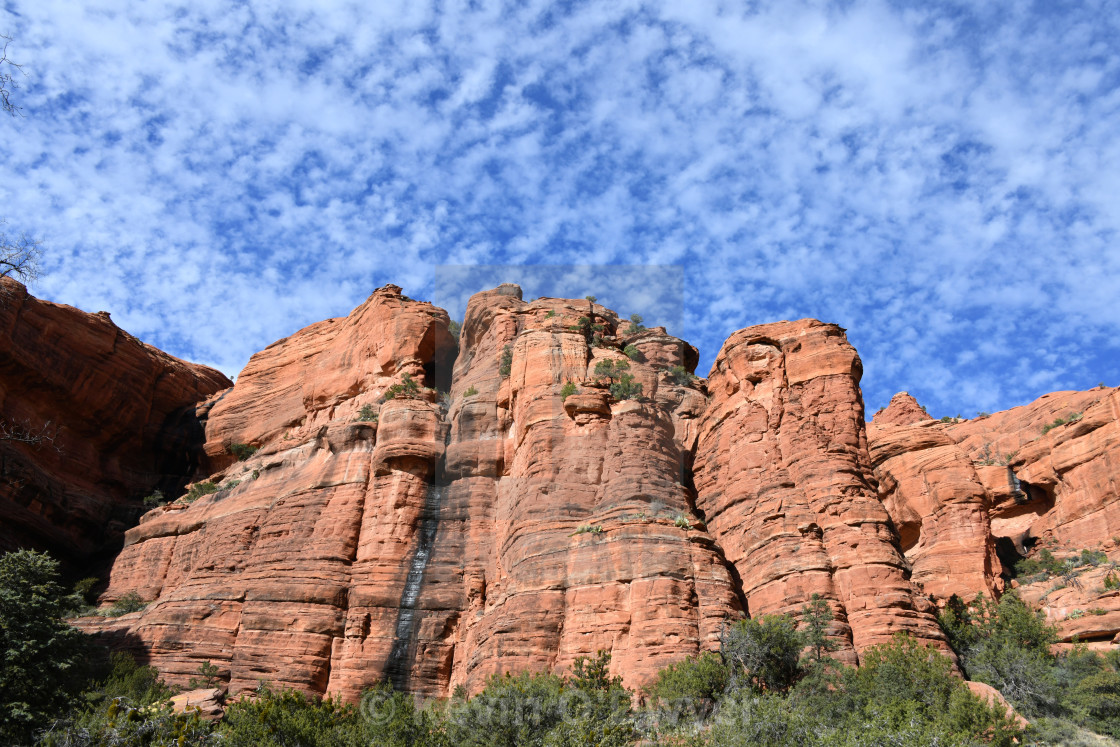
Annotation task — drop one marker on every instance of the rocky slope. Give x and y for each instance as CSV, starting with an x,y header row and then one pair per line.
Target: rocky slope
x,y
524,519
973,497
91,421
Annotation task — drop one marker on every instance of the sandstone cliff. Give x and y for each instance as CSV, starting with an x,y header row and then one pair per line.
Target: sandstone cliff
x,y
973,497
784,480
523,519
91,421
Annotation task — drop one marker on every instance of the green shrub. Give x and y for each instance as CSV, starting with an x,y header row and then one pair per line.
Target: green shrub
x,y
391,719
198,490
682,521
122,722
763,653
455,329
815,619
208,676
567,390
155,499
41,656
407,389
626,388
747,719
367,414
551,313
288,717
681,375
703,678
582,325
1111,581
510,712
242,451
128,602
1094,702
636,325
587,529
1043,562
632,352
608,368
904,682
471,391
590,708
1073,417
505,363
1006,645
84,589
1093,557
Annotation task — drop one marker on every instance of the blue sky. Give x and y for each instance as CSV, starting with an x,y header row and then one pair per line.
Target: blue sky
x,y
941,178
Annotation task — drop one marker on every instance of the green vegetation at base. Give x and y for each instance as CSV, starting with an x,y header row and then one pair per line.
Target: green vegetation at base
x,y
1008,646
772,682
41,656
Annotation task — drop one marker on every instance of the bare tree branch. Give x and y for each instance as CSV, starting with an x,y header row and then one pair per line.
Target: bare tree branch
x,y
25,433
7,80
19,257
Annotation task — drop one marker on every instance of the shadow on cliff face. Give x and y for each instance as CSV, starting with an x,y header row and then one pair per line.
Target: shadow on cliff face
x,y
120,419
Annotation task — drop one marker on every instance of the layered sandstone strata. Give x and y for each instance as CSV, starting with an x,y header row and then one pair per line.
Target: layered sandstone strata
x,y
784,482
522,519
972,497
91,421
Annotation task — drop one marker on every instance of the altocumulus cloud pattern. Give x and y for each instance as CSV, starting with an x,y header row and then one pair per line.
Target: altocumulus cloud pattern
x,y
940,178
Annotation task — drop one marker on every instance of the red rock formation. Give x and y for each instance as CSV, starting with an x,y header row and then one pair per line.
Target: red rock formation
x,y
967,494
583,500
783,479
508,526
307,574
902,410
119,417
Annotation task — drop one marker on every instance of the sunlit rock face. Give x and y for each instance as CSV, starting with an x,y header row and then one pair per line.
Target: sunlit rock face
x,y
784,480
527,517
91,421
972,497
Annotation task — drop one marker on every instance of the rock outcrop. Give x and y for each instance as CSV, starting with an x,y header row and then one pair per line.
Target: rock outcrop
x,y
91,421
784,481
903,409
973,497
529,516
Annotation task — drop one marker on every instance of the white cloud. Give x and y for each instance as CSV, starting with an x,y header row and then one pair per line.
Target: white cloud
x,y
941,181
